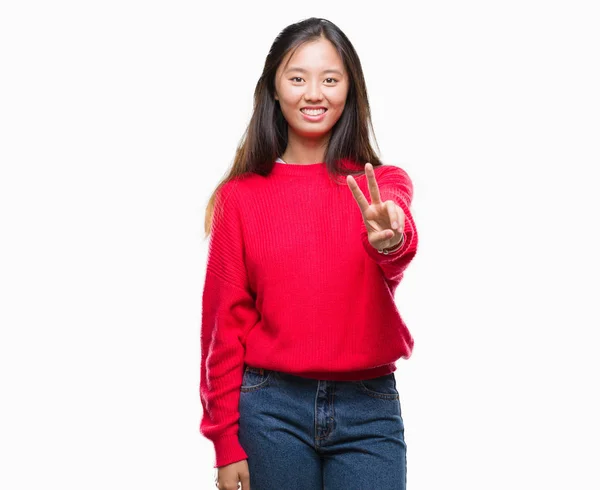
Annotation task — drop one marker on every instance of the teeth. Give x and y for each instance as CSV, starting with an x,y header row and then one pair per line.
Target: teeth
x,y
313,112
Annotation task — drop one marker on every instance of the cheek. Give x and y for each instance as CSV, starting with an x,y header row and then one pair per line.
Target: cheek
x,y
288,110
338,100
288,104
291,95
289,100
338,107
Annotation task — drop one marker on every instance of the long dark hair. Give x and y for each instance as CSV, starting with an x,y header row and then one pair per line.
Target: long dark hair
x,y
266,136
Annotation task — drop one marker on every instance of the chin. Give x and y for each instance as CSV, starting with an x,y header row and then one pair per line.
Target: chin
x,y
312,134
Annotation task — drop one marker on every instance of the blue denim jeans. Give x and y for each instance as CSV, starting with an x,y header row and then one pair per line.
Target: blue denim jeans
x,y
308,434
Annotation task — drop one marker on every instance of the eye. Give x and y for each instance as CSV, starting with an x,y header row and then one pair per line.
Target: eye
x,y
333,80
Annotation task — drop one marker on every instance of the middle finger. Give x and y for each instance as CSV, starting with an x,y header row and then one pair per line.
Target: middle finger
x,y
373,188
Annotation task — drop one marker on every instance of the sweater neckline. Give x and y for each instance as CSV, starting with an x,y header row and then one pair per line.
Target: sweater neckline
x,y
319,168
299,168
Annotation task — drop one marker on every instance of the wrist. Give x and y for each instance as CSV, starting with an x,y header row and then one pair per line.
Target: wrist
x,y
394,248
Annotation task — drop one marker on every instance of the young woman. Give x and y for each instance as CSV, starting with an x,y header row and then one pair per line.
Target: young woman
x,y
300,332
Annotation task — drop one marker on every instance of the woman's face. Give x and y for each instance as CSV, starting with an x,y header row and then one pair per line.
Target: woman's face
x,y
314,77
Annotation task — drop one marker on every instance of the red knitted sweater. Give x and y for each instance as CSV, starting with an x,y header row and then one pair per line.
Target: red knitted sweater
x,y
293,284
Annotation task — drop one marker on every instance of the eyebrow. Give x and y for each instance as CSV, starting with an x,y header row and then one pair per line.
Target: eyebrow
x,y
297,68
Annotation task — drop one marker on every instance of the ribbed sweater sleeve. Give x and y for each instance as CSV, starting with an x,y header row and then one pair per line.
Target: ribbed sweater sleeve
x,y
395,184
228,312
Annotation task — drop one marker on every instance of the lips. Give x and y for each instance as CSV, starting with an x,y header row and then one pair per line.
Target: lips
x,y
314,117
313,111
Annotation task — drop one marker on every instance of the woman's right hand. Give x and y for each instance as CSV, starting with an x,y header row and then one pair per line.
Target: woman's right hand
x,y
229,476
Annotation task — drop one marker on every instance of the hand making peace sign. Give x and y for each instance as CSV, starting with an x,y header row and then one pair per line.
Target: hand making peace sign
x,y
384,220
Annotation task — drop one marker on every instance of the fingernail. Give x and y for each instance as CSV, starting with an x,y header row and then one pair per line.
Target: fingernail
x,y
395,225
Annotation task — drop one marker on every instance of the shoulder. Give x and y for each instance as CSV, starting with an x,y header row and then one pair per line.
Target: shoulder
x,y
241,183
394,173
226,208
394,179
234,193
226,193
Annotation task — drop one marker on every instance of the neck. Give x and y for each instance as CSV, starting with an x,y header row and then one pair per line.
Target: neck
x,y
305,151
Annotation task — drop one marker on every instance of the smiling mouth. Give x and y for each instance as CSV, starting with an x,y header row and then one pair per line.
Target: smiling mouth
x,y
313,112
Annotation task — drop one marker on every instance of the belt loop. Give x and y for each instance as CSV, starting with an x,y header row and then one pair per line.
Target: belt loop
x,y
262,371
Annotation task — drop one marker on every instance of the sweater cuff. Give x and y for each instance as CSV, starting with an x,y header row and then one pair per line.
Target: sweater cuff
x,y
396,248
228,450
382,258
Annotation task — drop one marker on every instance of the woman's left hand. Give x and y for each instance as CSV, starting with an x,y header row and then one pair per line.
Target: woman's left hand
x,y
384,220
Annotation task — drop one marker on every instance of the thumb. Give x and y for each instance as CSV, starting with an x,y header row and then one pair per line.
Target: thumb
x,y
378,237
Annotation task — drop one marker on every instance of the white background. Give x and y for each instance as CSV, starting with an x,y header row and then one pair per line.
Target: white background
x,y
117,120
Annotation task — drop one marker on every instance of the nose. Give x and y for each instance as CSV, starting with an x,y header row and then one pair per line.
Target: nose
x,y
313,91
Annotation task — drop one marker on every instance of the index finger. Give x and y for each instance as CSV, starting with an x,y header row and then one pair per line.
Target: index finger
x,y
360,198
373,187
